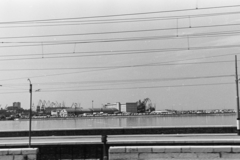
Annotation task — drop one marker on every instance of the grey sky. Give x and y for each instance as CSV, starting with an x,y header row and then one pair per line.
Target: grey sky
x,y
163,93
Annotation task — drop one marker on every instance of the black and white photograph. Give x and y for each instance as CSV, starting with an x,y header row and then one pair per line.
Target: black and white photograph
x,y
119,79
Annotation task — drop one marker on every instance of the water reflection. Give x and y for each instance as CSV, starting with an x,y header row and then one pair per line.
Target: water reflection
x,y
109,122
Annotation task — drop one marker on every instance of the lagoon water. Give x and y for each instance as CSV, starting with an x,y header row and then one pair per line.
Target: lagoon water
x,y
109,122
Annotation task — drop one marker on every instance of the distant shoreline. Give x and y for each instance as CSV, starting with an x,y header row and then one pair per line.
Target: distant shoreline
x,y
130,116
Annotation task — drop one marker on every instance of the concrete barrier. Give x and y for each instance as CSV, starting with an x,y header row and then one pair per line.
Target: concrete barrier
x,y
19,154
174,152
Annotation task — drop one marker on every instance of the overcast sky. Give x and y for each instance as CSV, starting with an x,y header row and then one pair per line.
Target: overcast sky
x,y
109,51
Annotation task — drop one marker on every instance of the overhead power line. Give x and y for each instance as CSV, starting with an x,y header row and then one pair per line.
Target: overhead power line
x,y
51,75
106,51
149,80
106,21
125,83
120,15
124,52
79,34
122,88
13,92
117,67
151,87
125,31
144,80
145,18
196,35
104,69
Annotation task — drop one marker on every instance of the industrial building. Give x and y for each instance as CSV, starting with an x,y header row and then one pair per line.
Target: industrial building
x,y
131,107
16,106
109,108
77,111
128,107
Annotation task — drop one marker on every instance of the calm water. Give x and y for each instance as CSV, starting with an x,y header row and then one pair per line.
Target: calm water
x,y
108,122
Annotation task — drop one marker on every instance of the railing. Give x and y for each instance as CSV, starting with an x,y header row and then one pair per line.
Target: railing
x,y
100,150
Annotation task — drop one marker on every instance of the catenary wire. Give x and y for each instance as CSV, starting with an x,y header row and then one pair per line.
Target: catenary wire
x,y
126,14
105,69
148,30
151,18
116,32
154,87
118,67
129,20
101,69
135,52
151,87
49,75
67,42
76,84
198,35
128,80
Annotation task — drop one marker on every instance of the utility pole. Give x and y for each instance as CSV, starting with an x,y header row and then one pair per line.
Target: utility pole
x,y
30,114
238,117
75,105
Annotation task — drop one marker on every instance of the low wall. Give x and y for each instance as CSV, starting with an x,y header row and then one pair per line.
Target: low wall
x,y
52,151
174,152
19,154
123,131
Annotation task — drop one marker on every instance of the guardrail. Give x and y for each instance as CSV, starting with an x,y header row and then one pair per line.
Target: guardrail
x,y
104,132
